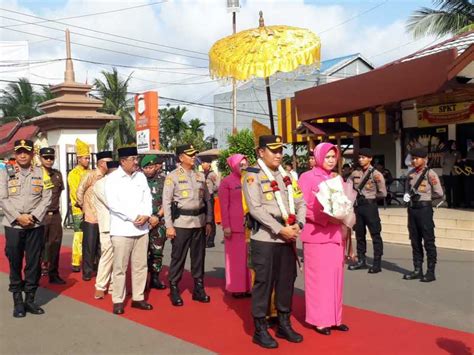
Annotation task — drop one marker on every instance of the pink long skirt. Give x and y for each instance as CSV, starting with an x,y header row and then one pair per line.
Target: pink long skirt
x,y
237,274
324,283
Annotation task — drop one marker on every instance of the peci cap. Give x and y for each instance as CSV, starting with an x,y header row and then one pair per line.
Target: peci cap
x,y
47,152
127,152
366,152
148,159
113,164
104,154
25,144
187,149
270,141
419,152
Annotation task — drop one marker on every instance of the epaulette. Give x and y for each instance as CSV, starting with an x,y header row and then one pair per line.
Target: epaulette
x,y
252,169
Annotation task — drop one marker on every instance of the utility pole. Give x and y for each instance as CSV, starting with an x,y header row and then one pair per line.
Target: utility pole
x,y
234,6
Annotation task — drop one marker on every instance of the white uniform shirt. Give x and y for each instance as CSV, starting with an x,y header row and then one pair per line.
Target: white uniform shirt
x,y
128,196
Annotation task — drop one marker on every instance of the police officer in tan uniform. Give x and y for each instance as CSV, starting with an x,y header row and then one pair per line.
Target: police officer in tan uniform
x,y
53,229
422,186
212,184
24,201
188,216
366,210
273,256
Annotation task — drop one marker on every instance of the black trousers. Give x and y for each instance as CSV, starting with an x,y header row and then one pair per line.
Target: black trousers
x,y
26,243
90,247
187,238
367,216
275,268
421,229
53,236
212,236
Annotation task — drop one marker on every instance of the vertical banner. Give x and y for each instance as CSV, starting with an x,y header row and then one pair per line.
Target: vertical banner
x,y
147,121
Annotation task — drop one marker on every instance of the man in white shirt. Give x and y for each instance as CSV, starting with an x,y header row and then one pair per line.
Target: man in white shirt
x,y
130,204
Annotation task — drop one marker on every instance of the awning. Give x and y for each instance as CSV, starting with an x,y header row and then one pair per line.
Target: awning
x,y
13,131
389,84
288,121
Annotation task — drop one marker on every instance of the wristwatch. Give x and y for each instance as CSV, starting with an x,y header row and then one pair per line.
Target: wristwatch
x,y
301,225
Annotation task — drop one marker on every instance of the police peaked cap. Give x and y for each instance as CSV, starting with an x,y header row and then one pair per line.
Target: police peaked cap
x,y
366,152
206,159
127,152
104,154
187,149
23,144
270,141
47,152
419,152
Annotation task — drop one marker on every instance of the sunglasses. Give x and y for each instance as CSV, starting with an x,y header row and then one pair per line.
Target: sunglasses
x,y
48,158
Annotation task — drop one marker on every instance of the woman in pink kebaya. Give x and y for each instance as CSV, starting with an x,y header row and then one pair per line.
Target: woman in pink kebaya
x,y
323,246
237,274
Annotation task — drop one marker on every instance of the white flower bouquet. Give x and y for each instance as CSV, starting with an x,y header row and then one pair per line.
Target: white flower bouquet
x,y
337,199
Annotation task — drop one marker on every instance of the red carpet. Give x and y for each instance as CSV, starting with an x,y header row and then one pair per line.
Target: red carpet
x,y
225,326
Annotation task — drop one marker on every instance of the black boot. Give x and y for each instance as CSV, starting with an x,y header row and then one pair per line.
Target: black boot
x,y
155,281
360,264
376,266
175,297
199,294
285,330
261,336
30,305
415,274
430,273
18,305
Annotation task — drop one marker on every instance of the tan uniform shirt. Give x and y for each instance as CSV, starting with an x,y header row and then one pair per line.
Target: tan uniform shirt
x,y
263,206
375,186
84,195
212,183
100,204
23,193
189,190
430,187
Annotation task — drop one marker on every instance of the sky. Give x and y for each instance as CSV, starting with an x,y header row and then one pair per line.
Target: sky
x,y
167,42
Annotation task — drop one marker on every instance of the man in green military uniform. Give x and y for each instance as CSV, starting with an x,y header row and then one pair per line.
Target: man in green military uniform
x,y
151,166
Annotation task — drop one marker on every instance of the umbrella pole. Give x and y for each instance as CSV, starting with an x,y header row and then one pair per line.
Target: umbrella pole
x,y
270,108
234,86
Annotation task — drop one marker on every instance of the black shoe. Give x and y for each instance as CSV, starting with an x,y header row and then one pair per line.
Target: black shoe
x,y
155,281
416,274
118,308
239,295
55,279
87,276
428,277
323,331
261,336
31,306
18,305
175,297
341,327
210,245
375,269
199,294
359,265
272,321
143,305
285,330
76,268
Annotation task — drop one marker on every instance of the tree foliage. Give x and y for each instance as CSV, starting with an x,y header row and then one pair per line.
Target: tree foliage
x,y
113,91
451,17
22,101
244,143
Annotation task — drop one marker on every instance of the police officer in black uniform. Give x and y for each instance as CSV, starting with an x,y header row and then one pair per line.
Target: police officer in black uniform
x,y
24,201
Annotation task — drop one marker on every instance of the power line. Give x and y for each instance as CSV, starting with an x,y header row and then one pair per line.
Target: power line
x,y
94,14
104,33
104,49
107,40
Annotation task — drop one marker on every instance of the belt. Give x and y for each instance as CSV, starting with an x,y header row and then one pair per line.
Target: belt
x,y
420,204
50,213
198,212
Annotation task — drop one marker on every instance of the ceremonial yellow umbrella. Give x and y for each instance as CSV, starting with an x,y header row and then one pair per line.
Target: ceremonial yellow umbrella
x,y
263,51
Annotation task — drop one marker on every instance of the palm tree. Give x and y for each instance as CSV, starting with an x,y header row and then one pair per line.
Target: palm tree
x,y
113,91
451,17
195,125
20,100
172,126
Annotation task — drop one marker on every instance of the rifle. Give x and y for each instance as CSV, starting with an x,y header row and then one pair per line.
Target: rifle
x,y
413,193
361,186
